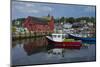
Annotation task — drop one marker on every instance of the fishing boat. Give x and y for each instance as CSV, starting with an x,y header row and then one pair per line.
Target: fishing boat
x,y
83,38
59,41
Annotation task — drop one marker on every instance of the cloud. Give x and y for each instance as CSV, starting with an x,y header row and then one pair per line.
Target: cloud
x,y
27,7
90,9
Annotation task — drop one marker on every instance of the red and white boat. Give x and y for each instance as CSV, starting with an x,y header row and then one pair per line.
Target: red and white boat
x,y
59,41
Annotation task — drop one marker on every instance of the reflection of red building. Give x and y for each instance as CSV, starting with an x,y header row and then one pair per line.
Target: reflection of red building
x,y
39,24
35,46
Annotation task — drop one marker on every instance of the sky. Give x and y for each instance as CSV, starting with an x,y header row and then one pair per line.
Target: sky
x,y
24,9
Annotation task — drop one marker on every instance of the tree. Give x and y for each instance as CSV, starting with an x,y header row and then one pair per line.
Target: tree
x,y
56,20
62,19
93,19
71,20
18,22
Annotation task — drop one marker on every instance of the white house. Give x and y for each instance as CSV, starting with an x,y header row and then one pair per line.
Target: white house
x,y
83,21
67,25
68,30
20,29
90,24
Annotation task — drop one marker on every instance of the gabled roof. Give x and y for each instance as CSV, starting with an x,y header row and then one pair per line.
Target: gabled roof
x,y
38,20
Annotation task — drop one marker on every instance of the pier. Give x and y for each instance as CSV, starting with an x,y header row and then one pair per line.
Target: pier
x,y
22,35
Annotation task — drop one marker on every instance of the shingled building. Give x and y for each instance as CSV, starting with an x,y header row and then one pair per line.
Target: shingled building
x,y
39,24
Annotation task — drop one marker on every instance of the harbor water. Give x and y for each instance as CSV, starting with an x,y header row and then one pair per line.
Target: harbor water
x,y
37,51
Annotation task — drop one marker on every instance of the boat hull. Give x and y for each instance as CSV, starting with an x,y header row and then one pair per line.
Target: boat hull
x,y
85,40
69,45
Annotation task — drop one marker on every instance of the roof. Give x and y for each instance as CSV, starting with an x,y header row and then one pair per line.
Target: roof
x,y
39,20
46,17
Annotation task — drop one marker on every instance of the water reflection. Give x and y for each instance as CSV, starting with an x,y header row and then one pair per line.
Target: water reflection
x,y
33,45
38,51
56,52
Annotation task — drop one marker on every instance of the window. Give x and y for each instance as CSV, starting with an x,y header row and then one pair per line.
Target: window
x,y
58,35
30,24
54,35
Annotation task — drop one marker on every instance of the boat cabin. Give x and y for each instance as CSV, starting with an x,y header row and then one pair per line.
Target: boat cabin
x,y
58,37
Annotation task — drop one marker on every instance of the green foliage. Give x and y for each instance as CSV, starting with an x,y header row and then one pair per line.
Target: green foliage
x,y
72,19
62,19
18,22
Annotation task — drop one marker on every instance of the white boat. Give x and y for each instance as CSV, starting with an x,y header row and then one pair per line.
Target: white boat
x,y
59,41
